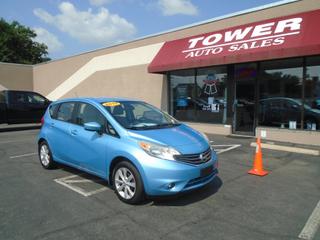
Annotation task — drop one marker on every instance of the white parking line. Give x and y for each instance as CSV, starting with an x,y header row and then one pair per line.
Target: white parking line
x,y
312,224
24,155
225,148
69,183
79,181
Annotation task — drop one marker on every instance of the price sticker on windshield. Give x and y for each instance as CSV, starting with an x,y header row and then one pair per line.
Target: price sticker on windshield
x,y
111,104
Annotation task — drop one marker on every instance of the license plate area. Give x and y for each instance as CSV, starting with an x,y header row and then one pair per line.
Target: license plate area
x,y
206,171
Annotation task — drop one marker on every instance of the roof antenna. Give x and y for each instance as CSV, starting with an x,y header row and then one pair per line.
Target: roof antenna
x,y
76,94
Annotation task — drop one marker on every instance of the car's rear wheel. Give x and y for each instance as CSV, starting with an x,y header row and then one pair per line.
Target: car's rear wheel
x,y
45,156
127,183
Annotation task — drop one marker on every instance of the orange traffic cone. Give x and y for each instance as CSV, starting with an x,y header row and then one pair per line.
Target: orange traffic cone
x,y
258,165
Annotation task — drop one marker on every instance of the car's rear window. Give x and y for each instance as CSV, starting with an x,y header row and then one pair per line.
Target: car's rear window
x,y
65,111
53,110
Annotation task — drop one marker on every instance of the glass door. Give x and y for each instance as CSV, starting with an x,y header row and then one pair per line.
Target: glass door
x,y
245,97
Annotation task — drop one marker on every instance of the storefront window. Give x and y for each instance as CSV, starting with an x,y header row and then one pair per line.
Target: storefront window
x,y
312,94
183,94
280,102
211,102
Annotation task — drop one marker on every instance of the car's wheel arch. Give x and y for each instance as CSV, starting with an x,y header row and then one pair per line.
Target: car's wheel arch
x,y
41,140
122,158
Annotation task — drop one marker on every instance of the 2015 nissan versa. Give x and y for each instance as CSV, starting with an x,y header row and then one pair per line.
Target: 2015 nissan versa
x,y
140,150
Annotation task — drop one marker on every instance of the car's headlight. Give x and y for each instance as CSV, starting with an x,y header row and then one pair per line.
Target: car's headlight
x,y
159,151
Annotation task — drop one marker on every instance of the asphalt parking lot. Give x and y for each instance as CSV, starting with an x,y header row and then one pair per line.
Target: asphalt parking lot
x,y
67,204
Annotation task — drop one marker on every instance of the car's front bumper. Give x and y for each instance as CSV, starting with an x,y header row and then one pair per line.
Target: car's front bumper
x,y
165,177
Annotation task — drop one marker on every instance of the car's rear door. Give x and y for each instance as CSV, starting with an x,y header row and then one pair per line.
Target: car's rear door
x,y
17,107
37,105
59,133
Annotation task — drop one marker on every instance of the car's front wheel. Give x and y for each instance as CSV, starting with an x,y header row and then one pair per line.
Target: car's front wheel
x,y
45,156
127,183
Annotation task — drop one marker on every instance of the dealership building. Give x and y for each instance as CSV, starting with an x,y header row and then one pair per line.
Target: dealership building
x,y
254,72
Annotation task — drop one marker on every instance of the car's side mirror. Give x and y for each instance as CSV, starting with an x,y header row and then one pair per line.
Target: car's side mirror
x,y
93,126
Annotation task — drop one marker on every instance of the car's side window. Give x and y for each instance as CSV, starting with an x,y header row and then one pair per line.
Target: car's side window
x,y
88,113
65,111
18,98
35,99
53,109
111,131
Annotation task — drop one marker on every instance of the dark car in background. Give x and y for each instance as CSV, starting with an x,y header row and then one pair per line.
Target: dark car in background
x,y
278,111
22,106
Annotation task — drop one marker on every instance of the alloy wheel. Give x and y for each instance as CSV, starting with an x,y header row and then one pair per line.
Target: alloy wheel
x,y
125,183
44,155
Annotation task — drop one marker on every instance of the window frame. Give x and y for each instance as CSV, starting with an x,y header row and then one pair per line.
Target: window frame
x,y
230,95
55,111
12,97
36,94
106,124
72,114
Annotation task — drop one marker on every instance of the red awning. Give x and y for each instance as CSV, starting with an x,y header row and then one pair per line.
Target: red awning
x,y
290,36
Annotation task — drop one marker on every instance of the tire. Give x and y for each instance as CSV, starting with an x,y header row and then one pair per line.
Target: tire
x,y
127,183
45,156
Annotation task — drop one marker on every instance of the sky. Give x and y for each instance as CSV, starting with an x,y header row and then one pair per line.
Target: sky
x,y
71,27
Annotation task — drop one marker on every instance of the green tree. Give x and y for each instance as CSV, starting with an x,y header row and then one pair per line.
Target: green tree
x,y
17,44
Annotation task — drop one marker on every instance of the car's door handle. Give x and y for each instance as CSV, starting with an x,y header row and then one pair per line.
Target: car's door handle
x,y
74,132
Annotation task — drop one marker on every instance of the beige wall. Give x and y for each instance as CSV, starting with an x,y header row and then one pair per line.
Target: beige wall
x,y
16,76
132,82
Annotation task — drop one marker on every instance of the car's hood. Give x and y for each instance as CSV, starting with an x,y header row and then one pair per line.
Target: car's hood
x,y
183,138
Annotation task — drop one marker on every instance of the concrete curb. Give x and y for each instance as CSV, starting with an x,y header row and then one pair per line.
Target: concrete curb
x,y
19,127
288,149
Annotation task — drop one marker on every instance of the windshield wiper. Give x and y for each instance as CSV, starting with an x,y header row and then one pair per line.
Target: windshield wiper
x,y
167,125
156,126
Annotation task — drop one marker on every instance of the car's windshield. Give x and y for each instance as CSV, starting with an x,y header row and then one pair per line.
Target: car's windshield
x,y
139,115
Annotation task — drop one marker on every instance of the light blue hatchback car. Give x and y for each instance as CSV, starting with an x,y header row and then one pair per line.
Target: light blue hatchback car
x,y
140,150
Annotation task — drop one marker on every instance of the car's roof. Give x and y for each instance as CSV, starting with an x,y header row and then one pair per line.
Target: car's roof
x,y
97,100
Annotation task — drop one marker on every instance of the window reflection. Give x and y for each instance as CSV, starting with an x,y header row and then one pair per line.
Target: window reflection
x,y
199,98
182,89
200,94
280,93
312,94
211,99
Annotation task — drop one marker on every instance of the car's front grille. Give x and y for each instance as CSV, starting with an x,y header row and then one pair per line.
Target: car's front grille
x,y
197,158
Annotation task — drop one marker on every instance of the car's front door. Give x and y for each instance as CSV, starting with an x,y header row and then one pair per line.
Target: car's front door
x,y
37,105
90,147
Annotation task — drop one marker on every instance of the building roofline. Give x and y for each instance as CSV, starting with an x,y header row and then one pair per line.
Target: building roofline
x,y
226,16
16,64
